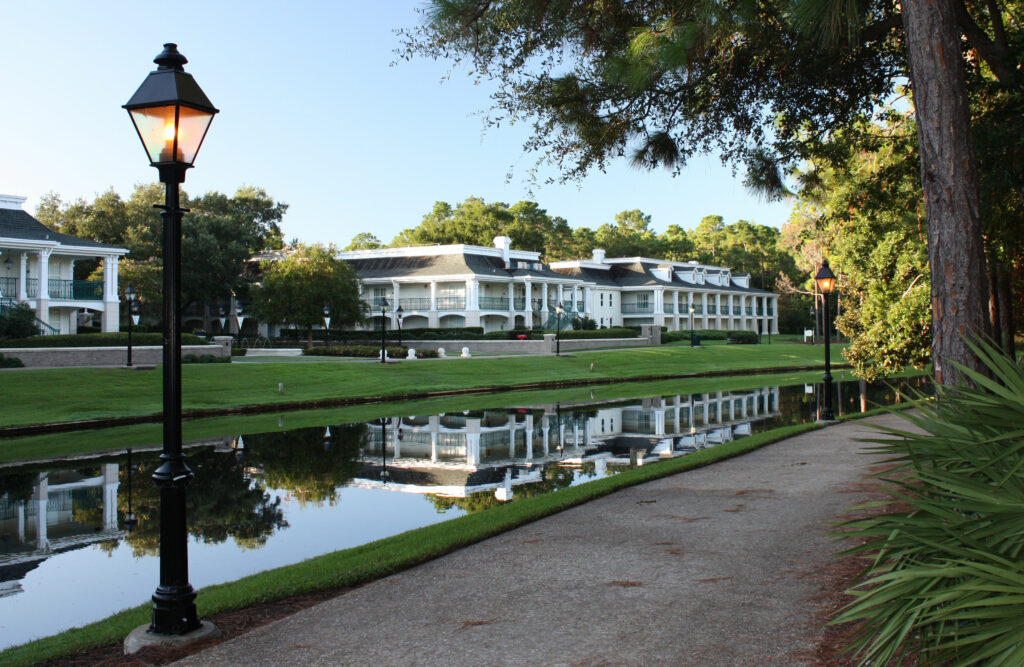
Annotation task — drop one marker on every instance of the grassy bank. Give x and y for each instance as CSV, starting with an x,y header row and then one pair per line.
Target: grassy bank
x,y
143,436
378,559
36,396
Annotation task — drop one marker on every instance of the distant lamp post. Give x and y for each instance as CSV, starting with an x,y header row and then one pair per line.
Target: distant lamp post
x,y
327,322
559,311
398,316
222,317
693,309
826,281
133,315
383,326
171,115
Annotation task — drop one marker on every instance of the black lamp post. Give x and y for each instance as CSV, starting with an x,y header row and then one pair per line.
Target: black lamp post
x,y
239,318
398,316
559,311
383,326
133,309
171,115
327,322
692,310
222,317
826,281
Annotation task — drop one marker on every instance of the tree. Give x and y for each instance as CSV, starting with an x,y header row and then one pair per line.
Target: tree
x,y
364,241
298,287
761,84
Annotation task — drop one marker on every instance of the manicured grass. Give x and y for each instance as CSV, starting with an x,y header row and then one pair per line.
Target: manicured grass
x,y
115,440
31,396
378,559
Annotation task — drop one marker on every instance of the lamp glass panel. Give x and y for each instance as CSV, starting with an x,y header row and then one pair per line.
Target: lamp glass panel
x,y
192,127
156,128
826,284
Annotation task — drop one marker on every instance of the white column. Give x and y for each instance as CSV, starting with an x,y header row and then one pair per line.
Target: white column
x,y
659,421
23,278
110,484
575,298
529,436
473,442
675,305
775,314
512,301
659,300
44,278
560,298
433,295
394,295
434,424
110,278
544,297
476,293
40,497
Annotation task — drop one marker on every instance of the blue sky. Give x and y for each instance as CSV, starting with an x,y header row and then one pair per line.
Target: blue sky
x,y
312,109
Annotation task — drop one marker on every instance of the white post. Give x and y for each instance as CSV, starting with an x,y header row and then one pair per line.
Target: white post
x,y
433,295
23,278
544,297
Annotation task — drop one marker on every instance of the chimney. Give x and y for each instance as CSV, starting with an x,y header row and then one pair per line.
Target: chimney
x,y
504,244
11,202
599,255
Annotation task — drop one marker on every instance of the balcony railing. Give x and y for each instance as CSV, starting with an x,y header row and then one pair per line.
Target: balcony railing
x,y
519,303
9,287
750,310
698,309
637,308
375,302
737,310
451,303
536,303
493,303
712,309
79,290
670,308
771,311
414,304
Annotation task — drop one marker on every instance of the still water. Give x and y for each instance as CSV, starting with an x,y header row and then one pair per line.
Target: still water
x,y
71,552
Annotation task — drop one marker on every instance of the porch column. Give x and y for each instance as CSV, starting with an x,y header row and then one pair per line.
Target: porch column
x,y
529,437
775,315
110,484
512,304
433,295
675,308
544,298
394,295
473,442
528,291
575,298
43,295
40,496
659,301
111,301
23,278
561,298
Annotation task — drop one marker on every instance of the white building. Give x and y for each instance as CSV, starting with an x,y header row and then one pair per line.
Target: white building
x,y
501,288
37,267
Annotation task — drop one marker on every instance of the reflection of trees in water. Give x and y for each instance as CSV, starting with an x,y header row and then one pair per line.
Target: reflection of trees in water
x,y
554,477
305,463
17,488
222,502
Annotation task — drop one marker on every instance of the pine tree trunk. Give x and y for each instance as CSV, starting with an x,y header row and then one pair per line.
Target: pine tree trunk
x,y
1006,323
950,180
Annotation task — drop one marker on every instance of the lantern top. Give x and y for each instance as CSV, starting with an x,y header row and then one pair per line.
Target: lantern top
x,y
825,278
170,84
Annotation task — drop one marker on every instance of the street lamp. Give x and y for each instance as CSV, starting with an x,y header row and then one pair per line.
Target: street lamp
x,y
398,314
383,322
222,316
559,311
171,115
692,311
133,310
239,318
826,281
327,322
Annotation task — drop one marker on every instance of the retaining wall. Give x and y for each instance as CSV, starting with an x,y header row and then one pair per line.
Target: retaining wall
x,y
453,348
142,355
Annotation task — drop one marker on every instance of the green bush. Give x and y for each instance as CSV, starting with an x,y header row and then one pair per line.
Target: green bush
x,y
705,334
945,577
239,351
18,321
613,332
204,359
115,339
427,354
367,351
368,336
11,362
743,337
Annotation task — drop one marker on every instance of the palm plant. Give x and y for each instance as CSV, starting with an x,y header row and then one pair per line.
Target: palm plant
x,y
945,579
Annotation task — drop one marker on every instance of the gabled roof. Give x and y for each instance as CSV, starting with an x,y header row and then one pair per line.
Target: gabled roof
x,y
17,224
461,264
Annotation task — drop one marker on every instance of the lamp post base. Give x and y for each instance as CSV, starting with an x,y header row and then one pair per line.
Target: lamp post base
x,y
141,637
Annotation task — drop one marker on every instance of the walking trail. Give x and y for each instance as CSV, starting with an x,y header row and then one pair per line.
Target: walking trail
x,y
717,566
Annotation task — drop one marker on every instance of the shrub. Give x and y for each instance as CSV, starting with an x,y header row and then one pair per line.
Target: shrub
x,y
945,579
743,337
11,362
204,359
239,351
613,332
705,334
584,323
367,351
18,321
427,354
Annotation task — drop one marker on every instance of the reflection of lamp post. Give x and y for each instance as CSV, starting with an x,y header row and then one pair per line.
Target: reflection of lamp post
x,y
223,319
384,474
133,308
327,322
129,518
398,314
692,310
171,115
559,311
826,281
383,314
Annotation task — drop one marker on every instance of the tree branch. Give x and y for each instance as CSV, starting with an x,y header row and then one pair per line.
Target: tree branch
x,y
995,54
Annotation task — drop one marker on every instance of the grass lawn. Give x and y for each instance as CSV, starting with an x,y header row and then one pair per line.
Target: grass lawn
x,y
148,436
35,396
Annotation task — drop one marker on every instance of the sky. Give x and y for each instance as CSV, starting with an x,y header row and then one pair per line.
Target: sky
x,y
314,109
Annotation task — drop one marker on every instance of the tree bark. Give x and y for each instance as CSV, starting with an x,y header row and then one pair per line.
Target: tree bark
x,y
950,180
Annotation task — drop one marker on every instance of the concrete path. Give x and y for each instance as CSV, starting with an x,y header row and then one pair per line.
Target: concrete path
x,y
709,567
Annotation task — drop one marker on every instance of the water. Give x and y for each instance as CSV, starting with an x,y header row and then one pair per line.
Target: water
x,y
68,555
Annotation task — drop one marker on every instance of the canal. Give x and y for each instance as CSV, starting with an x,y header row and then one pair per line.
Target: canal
x,y
80,537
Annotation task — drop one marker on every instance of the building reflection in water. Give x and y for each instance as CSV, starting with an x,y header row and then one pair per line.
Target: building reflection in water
x,y
456,455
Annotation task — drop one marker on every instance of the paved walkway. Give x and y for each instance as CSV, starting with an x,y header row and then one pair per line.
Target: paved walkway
x,y
714,566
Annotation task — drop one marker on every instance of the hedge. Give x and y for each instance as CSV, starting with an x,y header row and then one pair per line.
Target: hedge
x,y
113,339
368,351
705,334
10,362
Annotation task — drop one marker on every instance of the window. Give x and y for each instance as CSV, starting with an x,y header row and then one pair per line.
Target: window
x,y
611,299
602,298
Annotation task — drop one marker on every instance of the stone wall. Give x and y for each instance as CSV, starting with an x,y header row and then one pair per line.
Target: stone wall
x,y
453,348
142,355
